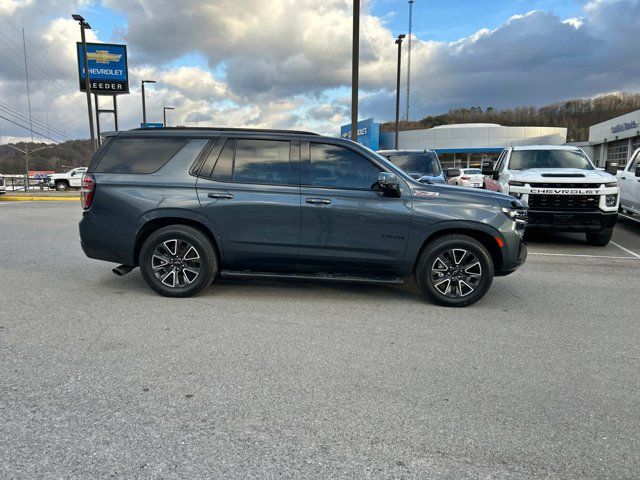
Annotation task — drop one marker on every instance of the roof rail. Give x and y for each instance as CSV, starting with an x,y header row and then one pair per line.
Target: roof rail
x,y
230,129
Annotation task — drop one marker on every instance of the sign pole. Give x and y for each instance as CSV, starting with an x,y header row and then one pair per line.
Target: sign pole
x,y
87,85
95,98
355,62
115,111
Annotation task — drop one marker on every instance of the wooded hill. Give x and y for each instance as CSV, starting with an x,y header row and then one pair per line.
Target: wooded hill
x,y
576,115
59,157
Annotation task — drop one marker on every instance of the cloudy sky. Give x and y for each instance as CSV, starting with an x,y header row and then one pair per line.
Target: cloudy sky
x,y
287,63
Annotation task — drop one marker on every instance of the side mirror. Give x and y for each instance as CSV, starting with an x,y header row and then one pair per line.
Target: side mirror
x,y
611,167
389,182
638,169
488,167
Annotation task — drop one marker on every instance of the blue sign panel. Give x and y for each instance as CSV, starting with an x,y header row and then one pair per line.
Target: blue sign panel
x,y
108,72
368,133
151,125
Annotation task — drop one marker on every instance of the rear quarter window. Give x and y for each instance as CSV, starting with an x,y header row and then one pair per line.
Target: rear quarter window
x,y
139,155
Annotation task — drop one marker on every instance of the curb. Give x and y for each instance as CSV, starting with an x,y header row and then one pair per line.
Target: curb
x,y
38,199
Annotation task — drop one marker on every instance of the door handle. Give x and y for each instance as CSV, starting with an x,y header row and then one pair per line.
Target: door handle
x,y
318,201
623,178
224,196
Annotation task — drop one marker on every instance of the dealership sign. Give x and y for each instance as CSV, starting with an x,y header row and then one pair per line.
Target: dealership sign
x,y
621,127
108,72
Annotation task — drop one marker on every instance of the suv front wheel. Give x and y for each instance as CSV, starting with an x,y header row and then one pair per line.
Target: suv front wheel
x,y
178,261
454,271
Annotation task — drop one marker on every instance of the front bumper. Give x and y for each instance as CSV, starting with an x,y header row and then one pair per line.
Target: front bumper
x,y
511,265
569,221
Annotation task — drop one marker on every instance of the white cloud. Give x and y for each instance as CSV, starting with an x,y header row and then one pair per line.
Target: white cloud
x,y
287,63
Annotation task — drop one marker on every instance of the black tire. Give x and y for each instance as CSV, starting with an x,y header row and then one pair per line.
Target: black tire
x,y
185,284
62,186
599,239
433,258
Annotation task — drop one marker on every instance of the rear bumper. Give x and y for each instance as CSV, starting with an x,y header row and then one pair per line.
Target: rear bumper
x,y
570,221
107,239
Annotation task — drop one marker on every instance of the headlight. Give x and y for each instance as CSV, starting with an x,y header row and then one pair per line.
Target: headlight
x,y
518,215
611,184
612,200
514,183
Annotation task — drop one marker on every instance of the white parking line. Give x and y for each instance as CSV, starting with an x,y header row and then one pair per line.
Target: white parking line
x,y
586,256
626,250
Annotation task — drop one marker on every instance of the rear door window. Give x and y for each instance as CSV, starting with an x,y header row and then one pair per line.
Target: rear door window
x,y
139,155
261,161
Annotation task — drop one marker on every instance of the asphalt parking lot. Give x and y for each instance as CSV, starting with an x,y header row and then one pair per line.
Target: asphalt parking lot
x,y
101,378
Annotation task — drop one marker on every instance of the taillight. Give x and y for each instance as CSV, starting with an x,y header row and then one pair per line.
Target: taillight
x,y
87,191
465,178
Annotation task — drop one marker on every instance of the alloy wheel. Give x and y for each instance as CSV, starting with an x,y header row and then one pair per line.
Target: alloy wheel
x,y
176,263
456,273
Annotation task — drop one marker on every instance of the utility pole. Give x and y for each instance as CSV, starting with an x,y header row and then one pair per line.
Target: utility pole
x,y
26,147
399,43
409,58
355,65
87,84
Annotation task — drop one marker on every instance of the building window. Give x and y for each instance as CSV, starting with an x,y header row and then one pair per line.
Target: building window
x,y
636,144
618,151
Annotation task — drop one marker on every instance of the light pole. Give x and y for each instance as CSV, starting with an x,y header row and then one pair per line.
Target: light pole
x,y
164,114
399,43
87,84
355,62
26,153
409,58
144,105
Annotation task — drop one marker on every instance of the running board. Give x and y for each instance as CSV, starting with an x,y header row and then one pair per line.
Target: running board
x,y
312,276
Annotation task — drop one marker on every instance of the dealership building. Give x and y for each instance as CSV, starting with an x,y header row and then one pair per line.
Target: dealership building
x,y
615,139
462,145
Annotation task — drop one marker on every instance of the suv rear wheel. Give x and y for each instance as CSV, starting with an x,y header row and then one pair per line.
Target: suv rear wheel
x,y
454,271
178,261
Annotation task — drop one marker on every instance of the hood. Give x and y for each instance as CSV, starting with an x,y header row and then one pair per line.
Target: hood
x,y
561,175
472,194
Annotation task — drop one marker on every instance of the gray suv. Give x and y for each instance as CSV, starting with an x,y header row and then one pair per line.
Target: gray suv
x,y
188,205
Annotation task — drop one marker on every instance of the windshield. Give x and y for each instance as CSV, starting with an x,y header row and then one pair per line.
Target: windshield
x,y
525,159
424,163
473,171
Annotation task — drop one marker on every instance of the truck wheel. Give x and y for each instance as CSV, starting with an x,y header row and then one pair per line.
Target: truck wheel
x,y
178,261
599,239
454,271
62,186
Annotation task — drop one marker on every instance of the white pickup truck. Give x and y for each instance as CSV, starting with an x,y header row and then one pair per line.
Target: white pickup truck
x,y
564,190
64,181
629,179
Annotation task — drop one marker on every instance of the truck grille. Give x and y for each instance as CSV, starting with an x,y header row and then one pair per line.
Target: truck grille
x,y
1,181
566,185
564,202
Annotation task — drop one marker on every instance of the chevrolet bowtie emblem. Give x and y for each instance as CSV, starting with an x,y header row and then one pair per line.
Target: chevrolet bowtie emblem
x,y
102,56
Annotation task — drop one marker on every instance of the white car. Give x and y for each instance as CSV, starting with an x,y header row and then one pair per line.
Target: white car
x,y
629,179
466,177
3,186
67,180
564,189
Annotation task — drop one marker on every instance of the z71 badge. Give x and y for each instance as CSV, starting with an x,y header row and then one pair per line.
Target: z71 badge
x,y
422,193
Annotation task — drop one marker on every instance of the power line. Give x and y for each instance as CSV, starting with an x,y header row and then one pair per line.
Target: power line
x,y
39,133
23,117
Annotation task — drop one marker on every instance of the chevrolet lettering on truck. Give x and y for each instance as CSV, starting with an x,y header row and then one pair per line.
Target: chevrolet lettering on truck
x,y
564,190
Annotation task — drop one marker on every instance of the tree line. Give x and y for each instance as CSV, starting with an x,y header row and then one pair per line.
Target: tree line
x,y
59,157
576,115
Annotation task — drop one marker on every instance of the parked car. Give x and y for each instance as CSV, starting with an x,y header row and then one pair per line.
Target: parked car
x,y
466,177
564,190
188,205
67,180
3,186
422,165
629,179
